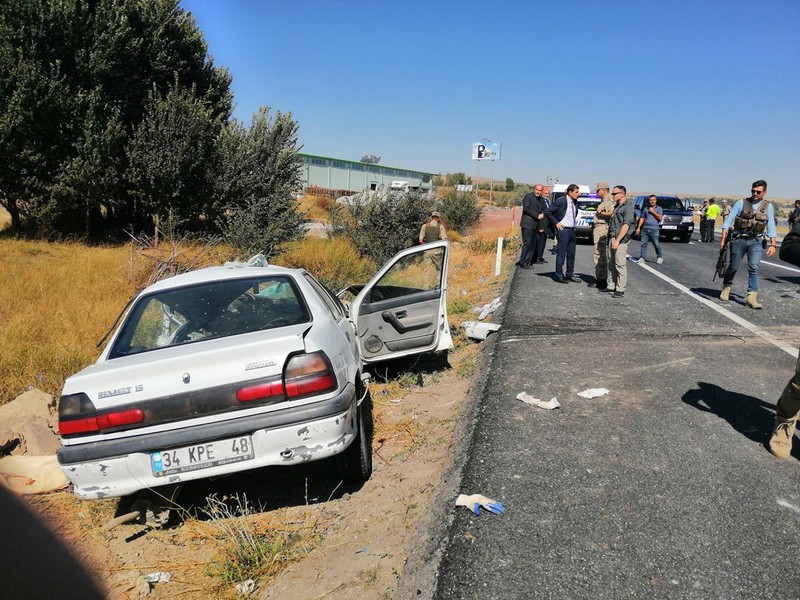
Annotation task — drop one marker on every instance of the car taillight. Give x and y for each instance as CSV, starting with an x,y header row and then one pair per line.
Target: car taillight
x,y
260,391
308,374
77,414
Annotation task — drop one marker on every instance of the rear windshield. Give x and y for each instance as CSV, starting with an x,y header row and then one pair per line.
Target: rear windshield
x,y
208,311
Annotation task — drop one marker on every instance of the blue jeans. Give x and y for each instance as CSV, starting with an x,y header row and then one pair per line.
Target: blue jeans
x,y
650,235
566,249
739,247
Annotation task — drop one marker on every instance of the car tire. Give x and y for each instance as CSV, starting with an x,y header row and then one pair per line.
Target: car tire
x,y
355,463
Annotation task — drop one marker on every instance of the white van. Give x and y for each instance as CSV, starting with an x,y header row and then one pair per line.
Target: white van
x,y
587,207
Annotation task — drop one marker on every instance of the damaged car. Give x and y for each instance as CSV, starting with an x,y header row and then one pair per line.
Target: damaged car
x,y
237,367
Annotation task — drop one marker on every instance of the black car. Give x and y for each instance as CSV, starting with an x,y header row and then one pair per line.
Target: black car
x,y
678,221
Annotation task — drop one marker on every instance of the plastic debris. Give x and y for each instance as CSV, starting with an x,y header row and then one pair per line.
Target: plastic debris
x,y
593,393
158,577
475,502
479,331
32,474
246,587
548,405
257,260
487,309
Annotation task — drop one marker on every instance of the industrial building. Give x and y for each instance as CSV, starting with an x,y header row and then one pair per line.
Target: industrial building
x,y
340,177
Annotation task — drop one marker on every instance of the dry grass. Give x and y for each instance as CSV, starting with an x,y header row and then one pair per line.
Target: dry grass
x,y
316,207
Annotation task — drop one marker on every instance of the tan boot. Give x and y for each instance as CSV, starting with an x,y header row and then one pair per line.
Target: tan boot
x,y
752,300
780,444
725,294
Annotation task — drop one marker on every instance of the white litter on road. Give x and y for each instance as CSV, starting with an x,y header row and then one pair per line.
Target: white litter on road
x,y
548,405
593,393
158,577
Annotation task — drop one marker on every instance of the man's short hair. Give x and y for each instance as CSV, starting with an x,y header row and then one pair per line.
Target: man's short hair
x,y
652,196
622,187
711,200
760,183
572,187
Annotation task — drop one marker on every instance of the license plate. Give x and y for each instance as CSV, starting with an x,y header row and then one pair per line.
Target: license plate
x,y
202,456
669,227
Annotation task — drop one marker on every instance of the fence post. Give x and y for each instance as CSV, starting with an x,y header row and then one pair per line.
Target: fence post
x,y
498,259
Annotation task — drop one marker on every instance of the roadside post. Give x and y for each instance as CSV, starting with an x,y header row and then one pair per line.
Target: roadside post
x,y
498,258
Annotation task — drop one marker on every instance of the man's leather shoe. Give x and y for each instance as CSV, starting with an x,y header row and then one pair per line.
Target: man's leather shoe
x,y
575,278
541,261
561,279
526,266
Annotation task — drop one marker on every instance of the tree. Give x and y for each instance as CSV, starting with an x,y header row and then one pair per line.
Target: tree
x,y
384,222
460,210
76,80
255,184
509,184
454,179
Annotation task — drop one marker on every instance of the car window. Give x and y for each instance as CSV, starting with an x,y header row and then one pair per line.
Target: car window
x,y
208,311
588,205
411,274
327,297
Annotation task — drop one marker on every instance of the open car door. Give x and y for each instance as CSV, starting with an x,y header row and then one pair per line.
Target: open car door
x,y
403,309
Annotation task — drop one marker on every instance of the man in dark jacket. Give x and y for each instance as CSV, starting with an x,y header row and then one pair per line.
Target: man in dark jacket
x,y
562,214
788,408
533,205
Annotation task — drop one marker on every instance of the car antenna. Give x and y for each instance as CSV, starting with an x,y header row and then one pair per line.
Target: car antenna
x,y
119,316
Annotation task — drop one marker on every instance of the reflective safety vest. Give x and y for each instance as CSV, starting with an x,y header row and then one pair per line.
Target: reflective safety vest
x,y
749,221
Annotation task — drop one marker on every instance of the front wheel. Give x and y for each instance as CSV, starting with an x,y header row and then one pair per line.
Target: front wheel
x,y
355,463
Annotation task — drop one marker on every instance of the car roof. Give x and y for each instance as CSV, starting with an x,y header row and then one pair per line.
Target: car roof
x,y
207,274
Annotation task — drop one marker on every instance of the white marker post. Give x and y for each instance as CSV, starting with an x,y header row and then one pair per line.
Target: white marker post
x,y
498,259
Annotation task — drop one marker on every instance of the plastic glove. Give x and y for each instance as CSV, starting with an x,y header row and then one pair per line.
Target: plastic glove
x,y
475,501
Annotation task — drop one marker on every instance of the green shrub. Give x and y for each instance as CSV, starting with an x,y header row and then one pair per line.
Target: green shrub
x,y
460,210
381,223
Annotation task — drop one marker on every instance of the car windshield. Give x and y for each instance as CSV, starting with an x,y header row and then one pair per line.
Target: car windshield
x,y
210,310
588,205
669,203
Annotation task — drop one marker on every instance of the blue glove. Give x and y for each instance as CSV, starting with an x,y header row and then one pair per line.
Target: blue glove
x,y
475,501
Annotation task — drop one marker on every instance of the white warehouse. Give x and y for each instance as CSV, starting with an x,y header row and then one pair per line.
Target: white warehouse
x,y
338,176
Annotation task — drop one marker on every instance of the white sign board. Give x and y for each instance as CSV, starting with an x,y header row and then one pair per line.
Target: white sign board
x,y
486,150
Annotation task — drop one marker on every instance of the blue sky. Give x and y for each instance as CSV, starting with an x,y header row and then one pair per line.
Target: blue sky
x,y
674,96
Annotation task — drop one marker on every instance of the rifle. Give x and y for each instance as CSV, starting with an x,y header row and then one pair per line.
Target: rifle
x,y
724,259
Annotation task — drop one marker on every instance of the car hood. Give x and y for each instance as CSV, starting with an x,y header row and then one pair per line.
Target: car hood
x,y
181,369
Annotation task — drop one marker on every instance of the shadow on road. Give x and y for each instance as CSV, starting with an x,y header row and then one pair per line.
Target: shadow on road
x,y
748,415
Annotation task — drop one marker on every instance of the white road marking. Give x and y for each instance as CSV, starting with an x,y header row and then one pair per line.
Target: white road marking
x,y
785,504
755,329
764,262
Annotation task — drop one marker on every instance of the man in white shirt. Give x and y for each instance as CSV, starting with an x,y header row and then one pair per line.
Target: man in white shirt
x,y
562,214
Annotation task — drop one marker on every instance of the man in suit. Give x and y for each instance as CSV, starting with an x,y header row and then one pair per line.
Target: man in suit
x,y
533,205
562,215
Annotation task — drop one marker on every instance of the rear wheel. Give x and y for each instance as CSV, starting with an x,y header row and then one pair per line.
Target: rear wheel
x,y
355,463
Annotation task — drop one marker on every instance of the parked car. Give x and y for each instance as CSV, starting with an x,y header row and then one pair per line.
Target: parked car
x,y
678,221
236,367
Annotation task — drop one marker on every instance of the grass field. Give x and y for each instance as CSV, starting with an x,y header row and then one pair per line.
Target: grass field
x,y
59,299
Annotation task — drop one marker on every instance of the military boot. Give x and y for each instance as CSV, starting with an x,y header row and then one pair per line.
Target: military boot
x,y
752,300
780,444
725,294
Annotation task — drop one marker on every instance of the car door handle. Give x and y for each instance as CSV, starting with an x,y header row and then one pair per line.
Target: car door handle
x,y
401,314
394,322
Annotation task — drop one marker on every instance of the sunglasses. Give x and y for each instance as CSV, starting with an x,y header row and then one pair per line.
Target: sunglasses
x,y
756,191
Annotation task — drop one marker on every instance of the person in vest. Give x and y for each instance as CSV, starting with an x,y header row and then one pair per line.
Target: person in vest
x,y
432,230
712,212
788,407
750,220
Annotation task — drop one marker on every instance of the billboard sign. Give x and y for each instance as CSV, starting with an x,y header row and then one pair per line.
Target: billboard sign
x,y
486,150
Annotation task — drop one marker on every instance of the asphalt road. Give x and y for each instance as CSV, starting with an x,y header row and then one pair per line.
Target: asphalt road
x,y
661,489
